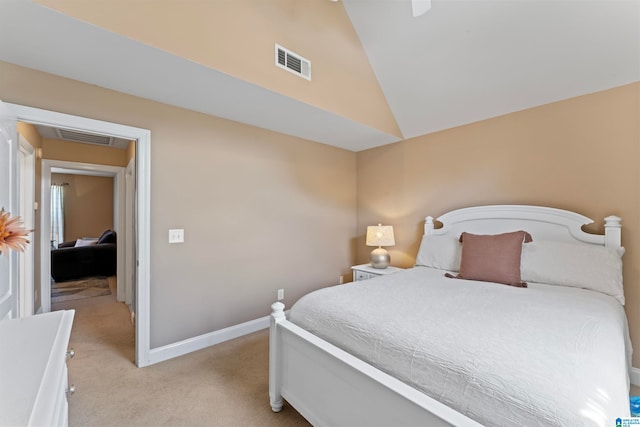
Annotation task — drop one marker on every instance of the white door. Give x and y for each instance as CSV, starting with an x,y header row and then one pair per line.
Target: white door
x,y
26,203
8,201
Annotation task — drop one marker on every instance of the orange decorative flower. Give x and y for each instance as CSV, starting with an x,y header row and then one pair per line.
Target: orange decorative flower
x,y
13,235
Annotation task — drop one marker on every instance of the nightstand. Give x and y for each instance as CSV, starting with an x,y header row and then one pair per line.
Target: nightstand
x,y
365,271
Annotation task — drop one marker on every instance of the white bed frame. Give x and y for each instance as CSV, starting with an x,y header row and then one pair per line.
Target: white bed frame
x,y
330,387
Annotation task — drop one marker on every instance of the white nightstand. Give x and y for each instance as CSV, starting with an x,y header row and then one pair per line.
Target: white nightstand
x,y
365,271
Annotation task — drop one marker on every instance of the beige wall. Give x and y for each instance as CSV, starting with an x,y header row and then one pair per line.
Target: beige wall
x,y
131,151
88,204
261,210
581,154
30,133
222,35
56,149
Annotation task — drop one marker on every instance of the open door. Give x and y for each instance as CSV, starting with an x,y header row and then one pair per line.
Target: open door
x,y
26,209
8,201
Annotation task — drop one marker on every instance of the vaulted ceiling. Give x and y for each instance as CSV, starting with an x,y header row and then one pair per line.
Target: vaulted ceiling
x,y
462,61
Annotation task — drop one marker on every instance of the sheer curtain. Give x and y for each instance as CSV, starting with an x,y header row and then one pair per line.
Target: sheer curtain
x,y
57,214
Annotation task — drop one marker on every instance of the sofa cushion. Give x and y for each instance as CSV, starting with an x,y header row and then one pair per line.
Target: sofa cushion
x,y
71,263
85,242
109,236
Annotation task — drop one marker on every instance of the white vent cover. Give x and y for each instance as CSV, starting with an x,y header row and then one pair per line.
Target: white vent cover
x,y
74,136
293,62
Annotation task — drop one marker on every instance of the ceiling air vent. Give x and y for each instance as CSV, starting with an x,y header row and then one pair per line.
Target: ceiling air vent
x,y
71,135
293,62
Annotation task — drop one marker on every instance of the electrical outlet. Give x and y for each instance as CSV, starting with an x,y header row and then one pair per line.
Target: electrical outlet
x,y
176,236
280,294
341,280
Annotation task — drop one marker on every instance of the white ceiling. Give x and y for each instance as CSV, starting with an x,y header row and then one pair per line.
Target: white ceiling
x,y
461,62
465,61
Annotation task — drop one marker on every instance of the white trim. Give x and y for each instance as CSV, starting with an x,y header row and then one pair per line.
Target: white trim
x,y
129,230
634,376
45,242
26,197
119,203
143,200
143,249
180,348
117,173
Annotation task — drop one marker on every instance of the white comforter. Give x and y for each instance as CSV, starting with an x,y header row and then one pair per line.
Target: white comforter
x,y
504,356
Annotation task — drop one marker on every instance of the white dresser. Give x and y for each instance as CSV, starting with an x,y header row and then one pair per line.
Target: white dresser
x,y
33,370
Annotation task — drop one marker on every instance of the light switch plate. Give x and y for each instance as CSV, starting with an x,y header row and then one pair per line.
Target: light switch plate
x,y
176,236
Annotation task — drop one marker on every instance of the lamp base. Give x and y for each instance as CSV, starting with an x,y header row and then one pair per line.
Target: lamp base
x,y
380,258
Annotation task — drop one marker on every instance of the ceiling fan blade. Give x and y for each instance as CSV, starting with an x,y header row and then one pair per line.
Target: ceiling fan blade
x,y
420,7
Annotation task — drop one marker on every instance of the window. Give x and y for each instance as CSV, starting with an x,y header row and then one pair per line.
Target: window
x,y
57,214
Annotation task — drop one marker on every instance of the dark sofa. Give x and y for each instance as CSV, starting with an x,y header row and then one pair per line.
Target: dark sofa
x,y
70,263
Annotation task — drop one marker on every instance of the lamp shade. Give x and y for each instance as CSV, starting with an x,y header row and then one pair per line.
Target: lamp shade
x,y
380,235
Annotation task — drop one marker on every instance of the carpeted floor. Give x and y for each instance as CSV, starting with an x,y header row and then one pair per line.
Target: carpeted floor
x,y
223,385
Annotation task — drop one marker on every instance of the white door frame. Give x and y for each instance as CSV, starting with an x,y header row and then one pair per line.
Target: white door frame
x,y
119,203
143,193
129,230
26,197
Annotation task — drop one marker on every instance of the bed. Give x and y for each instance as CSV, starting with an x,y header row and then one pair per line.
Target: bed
x,y
428,346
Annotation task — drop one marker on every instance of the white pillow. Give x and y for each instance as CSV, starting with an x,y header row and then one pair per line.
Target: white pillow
x,y
593,267
442,252
85,242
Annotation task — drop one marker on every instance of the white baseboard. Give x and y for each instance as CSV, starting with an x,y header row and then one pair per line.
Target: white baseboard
x,y
634,376
170,351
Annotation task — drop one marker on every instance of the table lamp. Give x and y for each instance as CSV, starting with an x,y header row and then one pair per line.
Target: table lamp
x,y
380,235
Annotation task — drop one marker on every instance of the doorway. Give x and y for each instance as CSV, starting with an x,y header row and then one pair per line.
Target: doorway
x,y
117,173
142,211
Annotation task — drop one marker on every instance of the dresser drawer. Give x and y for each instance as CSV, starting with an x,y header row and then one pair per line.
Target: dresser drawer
x,y
366,272
33,392
361,275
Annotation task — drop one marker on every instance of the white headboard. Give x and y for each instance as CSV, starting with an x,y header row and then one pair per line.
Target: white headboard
x,y
541,222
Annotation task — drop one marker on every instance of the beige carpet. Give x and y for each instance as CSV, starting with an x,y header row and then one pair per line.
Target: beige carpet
x,y
224,385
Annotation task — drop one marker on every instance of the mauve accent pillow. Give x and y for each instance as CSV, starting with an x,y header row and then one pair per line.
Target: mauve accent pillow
x,y
493,257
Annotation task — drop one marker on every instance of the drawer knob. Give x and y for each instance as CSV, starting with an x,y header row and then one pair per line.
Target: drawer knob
x,y
71,353
70,390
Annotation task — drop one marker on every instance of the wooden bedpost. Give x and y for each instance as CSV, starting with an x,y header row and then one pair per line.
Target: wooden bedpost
x,y
613,231
275,368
